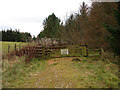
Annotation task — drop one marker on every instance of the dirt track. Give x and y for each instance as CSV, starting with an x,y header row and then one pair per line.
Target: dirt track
x,y
60,75
65,73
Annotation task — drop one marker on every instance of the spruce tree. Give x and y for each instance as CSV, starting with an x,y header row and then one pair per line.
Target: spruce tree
x,y
114,37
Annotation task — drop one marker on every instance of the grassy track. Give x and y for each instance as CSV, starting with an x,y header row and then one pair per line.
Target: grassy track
x,y
65,73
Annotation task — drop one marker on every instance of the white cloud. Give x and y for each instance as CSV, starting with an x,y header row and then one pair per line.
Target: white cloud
x,y
28,15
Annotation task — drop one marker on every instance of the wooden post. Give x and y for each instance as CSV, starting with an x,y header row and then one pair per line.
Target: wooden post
x,y
8,48
15,50
100,52
86,50
15,47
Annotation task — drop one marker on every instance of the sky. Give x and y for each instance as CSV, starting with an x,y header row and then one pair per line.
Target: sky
x,y
28,15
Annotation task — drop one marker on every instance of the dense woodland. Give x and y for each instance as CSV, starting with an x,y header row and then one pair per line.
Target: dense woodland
x,y
97,26
15,36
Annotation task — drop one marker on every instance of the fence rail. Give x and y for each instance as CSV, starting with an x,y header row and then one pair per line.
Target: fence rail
x,y
16,48
40,51
98,51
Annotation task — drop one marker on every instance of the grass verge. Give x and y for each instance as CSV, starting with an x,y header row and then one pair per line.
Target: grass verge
x,y
19,71
97,74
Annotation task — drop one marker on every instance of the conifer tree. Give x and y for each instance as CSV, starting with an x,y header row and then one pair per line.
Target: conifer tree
x,y
114,37
51,27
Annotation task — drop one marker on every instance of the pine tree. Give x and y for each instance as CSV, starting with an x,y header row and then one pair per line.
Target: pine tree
x,y
84,10
51,27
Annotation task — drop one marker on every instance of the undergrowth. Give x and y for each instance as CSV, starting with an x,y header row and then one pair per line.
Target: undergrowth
x,y
97,74
19,70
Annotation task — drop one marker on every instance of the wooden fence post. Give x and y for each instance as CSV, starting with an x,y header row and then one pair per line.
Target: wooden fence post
x,y
100,52
86,50
15,47
8,48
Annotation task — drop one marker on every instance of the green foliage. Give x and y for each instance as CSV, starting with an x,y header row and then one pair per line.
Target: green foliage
x,y
15,35
114,37
51,27
34,38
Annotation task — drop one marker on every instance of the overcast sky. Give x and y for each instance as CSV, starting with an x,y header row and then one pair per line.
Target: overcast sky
x,y
28,15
